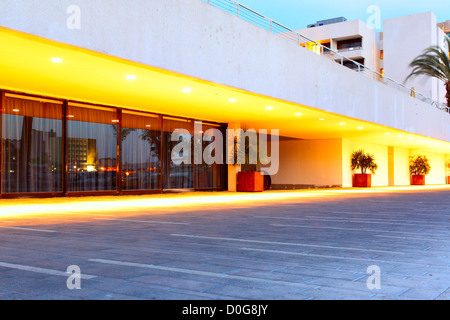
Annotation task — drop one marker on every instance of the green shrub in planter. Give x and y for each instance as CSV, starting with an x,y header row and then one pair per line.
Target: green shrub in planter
x,y
365,162
419,167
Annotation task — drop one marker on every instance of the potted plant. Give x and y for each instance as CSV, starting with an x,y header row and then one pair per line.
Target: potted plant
x,y
419,167
249,179
364,161
448,170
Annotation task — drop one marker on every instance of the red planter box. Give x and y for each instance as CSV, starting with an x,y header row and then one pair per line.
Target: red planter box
x,y
448,179
362,180
250,182
418,180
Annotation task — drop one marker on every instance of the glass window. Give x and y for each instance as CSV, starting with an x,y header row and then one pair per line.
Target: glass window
x,y
208,175
32,145
353,66
326,47
91,149
141,152
350,44
178,174
156,152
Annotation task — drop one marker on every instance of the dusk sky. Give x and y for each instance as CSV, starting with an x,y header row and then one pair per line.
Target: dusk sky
x,y
297,14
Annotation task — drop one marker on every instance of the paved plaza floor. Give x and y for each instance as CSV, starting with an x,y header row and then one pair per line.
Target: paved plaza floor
x,y
382,243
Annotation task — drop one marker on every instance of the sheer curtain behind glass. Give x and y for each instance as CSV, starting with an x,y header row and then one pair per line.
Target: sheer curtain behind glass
x,y
91,149
141,152
177,176
208,176
32,146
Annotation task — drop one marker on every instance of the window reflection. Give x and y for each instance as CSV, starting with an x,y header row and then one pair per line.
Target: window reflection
x,y
177,176
141,152
33,149
32,146
91,149
208,176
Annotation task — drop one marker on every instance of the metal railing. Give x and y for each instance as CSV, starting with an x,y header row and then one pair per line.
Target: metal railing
x,y
263,22
350,49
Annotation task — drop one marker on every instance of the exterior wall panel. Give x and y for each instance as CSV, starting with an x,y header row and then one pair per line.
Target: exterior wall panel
x,y
309,163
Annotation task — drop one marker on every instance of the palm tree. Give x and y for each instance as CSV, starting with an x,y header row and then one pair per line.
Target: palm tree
x,y
364,161
433,62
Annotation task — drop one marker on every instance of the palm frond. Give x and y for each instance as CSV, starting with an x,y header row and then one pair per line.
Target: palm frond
x,y
433,62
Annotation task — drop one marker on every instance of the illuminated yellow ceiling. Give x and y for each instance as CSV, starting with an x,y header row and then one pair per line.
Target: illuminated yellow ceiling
x,y
39,66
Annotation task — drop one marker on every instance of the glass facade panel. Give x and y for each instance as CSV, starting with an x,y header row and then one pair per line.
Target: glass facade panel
x,y
91,149
141,152
32,146
178,174
208,175
56,147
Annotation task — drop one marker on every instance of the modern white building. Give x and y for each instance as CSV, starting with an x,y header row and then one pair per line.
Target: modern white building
x,y
390,51
445,26
420,31
124,75
354,40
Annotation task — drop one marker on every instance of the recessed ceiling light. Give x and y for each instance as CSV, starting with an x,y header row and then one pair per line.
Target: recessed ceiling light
x,y
187,90
410,138
130,77
57,60
16,110
232,100
342,124
360,128
388,133
420,141
148,126
298,114
269,108
321,119
400,136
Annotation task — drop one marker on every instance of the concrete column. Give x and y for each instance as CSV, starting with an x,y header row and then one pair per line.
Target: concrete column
x,y
447,169
391,167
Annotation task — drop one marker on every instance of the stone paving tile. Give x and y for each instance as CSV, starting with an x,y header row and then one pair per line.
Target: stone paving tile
x,y
257,293
175,282
415,235
444,295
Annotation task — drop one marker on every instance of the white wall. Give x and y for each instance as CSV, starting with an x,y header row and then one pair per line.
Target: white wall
x,y
310,162
441,90
328,163
405,38
401,167
437,162
193,38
